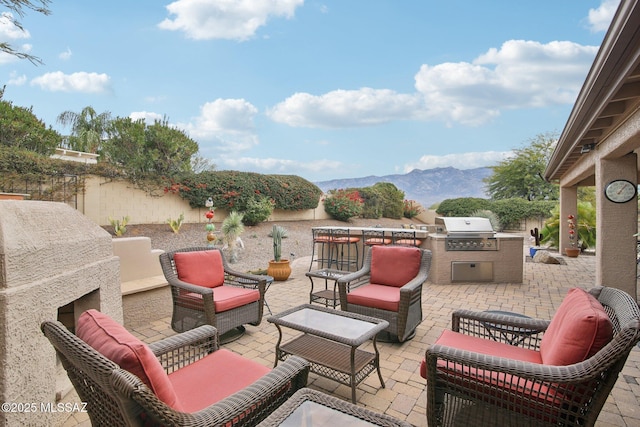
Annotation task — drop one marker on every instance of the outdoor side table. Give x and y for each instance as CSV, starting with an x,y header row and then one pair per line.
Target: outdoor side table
x,y
511,334
311,408
330,341
251,284
326,295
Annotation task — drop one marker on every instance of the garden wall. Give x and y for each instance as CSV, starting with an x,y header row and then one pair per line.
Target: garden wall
x,y
104,199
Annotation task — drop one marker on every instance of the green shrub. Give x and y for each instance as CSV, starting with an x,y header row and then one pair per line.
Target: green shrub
x,y
586,225
463,206
372,208
343,204
392,199
492,217
119,226
258,209
232,190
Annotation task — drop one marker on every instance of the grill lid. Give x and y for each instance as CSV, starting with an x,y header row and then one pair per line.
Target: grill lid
x,y
467,226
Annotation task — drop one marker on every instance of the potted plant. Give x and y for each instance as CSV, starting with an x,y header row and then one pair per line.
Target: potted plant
x,y
279,268
572,251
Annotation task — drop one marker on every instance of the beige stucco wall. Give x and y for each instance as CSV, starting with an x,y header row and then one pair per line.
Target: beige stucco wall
x,y
50,255
104,199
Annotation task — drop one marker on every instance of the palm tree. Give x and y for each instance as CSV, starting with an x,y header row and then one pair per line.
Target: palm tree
x,y
87,128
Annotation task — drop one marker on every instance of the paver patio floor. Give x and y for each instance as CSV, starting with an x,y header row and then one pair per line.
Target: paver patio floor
x,y
404,397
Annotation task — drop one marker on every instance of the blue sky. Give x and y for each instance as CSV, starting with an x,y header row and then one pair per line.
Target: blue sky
x,y
321,89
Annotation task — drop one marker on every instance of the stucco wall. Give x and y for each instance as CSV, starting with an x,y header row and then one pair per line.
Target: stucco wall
x,y
104,199
50,256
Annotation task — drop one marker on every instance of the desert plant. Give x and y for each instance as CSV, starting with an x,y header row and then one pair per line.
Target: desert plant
x,y
585,224
119,226
277,234
232,228
411,209
492,217
176,224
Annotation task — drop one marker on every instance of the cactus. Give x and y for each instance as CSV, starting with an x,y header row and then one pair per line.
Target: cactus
x,y
277,234
536,235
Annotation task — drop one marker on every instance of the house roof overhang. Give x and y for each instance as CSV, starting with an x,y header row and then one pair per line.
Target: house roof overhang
x,y
609,96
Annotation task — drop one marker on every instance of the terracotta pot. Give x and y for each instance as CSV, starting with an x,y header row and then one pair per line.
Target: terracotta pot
x,y
279,270
572,252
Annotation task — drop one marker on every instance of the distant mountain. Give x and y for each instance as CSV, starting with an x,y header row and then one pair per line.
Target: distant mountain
x,y
424,186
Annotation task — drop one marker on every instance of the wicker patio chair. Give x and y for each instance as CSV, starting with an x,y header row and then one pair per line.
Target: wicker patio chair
x,y
389,287
206,291
472,383
117,397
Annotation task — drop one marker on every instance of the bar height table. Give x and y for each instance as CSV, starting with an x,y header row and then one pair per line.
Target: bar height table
x,y
330,341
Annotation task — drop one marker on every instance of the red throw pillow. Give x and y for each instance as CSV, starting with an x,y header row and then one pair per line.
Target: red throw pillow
x,y
114,342
394,265
578,330
203,268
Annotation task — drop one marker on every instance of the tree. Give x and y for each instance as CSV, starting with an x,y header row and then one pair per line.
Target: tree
x,y
87,128
17,7
521,175
20,128
140,149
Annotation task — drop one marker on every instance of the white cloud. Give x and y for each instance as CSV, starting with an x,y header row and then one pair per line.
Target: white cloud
x,y
345,108
460,161
75,82
521,74
8,30
224,19
147,116
16,80
599,19
65,55
227,123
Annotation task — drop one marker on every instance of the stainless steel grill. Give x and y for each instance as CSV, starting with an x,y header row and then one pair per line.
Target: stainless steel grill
x,y
468,234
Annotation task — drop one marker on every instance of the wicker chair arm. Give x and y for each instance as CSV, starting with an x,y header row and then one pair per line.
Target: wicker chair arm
x,y
252,404
356,276
190,287
459,317
205,336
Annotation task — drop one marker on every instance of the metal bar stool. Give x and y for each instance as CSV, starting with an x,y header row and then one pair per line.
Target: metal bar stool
x,y
373,237
405,238
345,258
321,251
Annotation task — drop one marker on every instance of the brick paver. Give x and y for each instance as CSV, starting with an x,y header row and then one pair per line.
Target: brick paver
x,y
539,295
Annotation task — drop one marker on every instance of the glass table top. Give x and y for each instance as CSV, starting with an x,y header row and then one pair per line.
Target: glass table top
x,y
311,414
330,323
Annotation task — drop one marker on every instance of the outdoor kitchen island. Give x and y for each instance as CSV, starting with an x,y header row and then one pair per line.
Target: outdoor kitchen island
x,y
468,250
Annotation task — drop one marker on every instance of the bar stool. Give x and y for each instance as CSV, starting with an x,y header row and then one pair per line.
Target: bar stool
x,y
372,237
321,239
341,237
405,238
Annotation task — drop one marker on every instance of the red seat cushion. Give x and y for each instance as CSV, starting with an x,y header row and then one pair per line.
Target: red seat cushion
x,y
225,374
578,330
224,298
484,346
117,344
394,265
376,296
203,268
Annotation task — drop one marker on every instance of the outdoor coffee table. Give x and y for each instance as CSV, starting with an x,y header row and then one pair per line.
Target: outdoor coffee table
x,y
330,341
311,408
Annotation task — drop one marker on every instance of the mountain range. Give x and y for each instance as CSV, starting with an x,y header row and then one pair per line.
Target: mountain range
x,y
426,187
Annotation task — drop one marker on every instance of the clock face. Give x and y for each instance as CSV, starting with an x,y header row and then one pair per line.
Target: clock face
x,y
620,191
